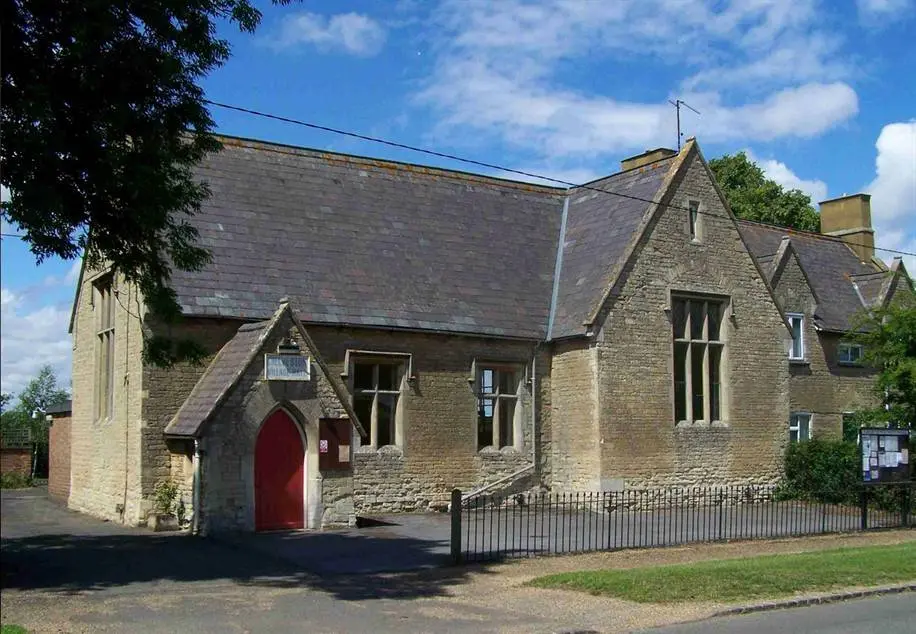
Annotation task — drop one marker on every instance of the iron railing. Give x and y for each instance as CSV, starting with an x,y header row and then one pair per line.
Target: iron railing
x,y
487,528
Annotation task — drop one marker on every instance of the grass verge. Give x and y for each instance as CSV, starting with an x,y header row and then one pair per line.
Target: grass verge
x,y
13,629
752,578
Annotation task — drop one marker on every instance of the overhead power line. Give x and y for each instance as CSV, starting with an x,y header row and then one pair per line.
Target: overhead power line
x,y
509,170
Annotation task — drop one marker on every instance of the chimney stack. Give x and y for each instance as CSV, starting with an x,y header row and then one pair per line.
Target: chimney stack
x,y
649,156
849,218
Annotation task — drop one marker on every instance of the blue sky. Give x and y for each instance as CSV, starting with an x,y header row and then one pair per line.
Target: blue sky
x,y
819,92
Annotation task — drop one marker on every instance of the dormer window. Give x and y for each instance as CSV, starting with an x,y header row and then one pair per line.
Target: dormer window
x,y
850,353
797,349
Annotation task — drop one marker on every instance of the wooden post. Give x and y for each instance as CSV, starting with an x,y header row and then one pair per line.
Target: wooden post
x,y
455,510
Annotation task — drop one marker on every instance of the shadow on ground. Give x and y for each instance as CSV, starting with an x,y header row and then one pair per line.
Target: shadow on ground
x,y
73,563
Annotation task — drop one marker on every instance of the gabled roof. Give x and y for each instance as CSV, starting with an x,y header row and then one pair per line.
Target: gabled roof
x,y
231,363
830,266
359,241
599,228
776,263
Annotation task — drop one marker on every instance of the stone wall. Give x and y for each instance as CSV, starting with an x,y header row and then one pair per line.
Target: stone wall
x,y
439,418
228,444
819,384
59,459
105,454
640,443
574,450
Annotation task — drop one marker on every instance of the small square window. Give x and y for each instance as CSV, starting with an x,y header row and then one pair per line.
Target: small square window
x,y
850,353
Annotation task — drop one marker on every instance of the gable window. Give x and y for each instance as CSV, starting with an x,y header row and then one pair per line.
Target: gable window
x,y
799,427
850,353
103,303
497,401
694,219
797,350
376,392
698,354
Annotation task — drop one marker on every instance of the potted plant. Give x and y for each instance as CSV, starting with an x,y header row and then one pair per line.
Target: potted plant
x,y
163,516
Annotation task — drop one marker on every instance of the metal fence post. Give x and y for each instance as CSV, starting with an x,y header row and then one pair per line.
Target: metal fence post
x,y
906,505
455,509
863,500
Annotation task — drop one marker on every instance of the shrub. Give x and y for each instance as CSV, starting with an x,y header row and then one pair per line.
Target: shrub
x,y
822,470
15,481
166,492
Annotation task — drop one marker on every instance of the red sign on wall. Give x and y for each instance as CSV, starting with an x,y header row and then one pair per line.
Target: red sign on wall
x,y
334,436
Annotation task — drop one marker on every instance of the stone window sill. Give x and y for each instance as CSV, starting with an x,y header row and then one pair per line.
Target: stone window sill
x,y
799,362
701,424
389,450
493,451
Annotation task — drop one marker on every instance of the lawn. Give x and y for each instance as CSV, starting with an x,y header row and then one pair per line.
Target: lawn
x,y
13,629
752,578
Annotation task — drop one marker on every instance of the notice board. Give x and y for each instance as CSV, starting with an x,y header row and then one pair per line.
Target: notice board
x,y
334,444
886,454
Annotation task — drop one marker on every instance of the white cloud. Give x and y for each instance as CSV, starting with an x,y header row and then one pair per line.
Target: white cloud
x,y
893,191
351,33
782,174
873,11
31,338
757,70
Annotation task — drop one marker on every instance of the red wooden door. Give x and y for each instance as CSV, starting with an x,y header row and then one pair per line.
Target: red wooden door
x,y
279,467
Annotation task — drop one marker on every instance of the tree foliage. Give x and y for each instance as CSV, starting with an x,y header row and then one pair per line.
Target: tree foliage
x,y
41,393
103,120
753,196
889,339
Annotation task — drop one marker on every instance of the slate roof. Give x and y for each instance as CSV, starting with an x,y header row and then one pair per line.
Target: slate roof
x,y
831,267
599,228
358,241
222,373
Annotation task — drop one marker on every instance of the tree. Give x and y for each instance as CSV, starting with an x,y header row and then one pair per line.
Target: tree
x,y
889,340
41,393
103,120
753,196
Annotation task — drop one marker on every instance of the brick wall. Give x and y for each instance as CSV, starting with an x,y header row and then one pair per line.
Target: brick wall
x,y
16,460
59,459
640,444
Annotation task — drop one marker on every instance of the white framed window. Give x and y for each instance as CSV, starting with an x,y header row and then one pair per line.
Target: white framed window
x,y
376,385
850,353
699,348
497,405
797,348
799,427
693,219
103,303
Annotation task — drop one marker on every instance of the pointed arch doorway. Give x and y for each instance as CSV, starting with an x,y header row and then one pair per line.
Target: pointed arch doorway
x,y
279,474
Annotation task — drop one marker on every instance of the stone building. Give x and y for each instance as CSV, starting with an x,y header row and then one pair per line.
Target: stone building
x,y
380,333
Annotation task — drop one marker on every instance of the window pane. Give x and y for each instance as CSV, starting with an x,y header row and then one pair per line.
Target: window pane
x,y
507,383
696,379
485,423
486,381
715,357
694,207
388,376
362,376
714,309
804,427
362,405
385,418
697,314
680,318
506,427
793,435
797,352
680,381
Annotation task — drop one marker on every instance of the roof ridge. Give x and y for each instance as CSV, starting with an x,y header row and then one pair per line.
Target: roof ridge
x,y
382,163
